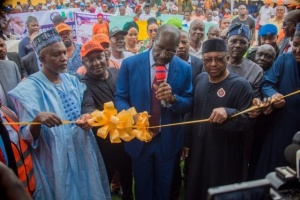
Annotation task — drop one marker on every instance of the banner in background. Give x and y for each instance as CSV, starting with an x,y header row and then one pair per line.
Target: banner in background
x,y
81,23
18,21
84,23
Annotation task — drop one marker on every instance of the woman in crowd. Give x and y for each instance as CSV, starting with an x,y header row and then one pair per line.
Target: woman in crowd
x,y
152,27
101,26
138,11
132,37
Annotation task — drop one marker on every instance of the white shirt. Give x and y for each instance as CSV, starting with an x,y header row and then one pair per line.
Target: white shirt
x,y
186,23
265,14
198,53
145,17
119,60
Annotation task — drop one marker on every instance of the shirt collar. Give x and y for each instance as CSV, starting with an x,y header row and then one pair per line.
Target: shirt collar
x,y
152,62
190,59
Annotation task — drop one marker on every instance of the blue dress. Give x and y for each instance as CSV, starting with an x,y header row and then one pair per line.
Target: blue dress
x,y
67,161
283,77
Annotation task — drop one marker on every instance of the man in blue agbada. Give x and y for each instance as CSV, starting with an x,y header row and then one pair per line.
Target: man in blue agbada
x,y
67,161
281,79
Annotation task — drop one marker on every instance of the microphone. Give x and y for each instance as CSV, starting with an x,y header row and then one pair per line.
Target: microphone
x,y
161,75
290,155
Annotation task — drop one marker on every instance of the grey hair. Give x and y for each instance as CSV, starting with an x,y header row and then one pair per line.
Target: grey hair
x,y
31,19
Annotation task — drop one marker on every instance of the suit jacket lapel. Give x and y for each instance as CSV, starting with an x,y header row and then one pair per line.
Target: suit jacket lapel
x,y
173,71
144,69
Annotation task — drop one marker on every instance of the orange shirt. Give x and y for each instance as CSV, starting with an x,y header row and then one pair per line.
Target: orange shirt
x,y
101,28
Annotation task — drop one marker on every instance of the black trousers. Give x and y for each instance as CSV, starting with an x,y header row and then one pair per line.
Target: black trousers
x,y
116,159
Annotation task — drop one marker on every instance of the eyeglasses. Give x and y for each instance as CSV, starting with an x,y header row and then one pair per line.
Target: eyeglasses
x,y
218,60
168,53
235,42
153,30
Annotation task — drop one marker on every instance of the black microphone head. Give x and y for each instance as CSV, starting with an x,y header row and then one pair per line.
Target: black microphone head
x,y
290,154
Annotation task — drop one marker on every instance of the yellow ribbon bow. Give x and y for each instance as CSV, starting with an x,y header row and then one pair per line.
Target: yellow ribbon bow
x,y
142,123
118,126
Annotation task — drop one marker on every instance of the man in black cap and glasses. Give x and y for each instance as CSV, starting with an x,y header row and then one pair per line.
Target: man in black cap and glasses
x,y
218,147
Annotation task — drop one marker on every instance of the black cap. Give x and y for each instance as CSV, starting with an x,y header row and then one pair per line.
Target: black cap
x,y
146,5
113,32
214,45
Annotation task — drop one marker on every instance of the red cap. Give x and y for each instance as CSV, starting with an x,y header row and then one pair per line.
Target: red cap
x,y
90,46
99,14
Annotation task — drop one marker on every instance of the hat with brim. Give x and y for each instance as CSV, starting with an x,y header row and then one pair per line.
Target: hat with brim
x,y
116,31
268,29
100,37
89,47
63,27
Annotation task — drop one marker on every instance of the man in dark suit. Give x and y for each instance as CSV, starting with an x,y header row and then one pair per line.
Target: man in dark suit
x,y
29,64
183,53
9,78
13,56
153,162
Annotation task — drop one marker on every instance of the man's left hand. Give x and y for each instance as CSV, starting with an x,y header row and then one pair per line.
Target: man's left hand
x,y
82,122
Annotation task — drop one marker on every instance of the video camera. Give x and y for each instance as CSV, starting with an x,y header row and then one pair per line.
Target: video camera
x,y
281,184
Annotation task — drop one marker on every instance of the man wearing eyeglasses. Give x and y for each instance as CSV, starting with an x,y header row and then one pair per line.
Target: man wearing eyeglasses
x,y
218,147
73,49
137,85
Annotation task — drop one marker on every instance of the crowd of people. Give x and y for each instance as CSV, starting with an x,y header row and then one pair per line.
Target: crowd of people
x,y
250,59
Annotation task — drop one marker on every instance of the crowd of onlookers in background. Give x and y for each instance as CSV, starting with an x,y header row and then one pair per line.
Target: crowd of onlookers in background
x,y
251,45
